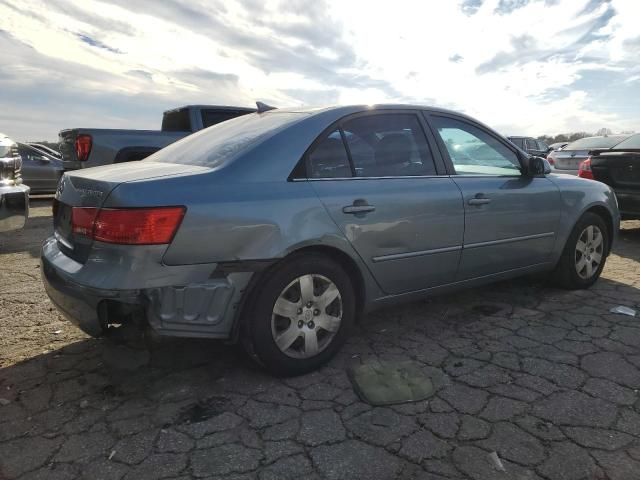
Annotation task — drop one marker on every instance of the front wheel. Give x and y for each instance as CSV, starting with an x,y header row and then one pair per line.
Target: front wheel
x,y
301,316
585,253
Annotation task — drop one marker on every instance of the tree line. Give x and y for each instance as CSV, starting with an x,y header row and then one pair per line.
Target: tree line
x,y
572,137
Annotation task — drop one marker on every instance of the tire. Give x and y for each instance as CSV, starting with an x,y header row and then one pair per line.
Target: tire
x,y
566,273
284,284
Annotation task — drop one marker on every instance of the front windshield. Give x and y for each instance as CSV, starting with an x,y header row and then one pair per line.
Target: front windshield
x,y
595,142
632,142
219,143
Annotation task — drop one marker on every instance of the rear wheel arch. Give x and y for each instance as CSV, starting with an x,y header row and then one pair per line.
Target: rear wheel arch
x,y
343,259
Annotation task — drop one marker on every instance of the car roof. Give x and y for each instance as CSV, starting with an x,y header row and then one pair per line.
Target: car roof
x,y
217,107
336,112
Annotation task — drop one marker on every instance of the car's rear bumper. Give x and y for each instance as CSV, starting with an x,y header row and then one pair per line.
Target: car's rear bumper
x,y
14,207
567,172
190,307
628,204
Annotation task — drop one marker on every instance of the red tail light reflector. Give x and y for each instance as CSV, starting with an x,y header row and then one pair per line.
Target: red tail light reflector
x,y
83,147
82,220
128,226
584,170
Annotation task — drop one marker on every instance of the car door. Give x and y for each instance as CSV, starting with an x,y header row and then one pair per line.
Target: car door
x,y
378,179
39,171
511,219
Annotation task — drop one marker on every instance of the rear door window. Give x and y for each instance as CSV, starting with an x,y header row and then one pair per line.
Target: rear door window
x,y
388,145
329,159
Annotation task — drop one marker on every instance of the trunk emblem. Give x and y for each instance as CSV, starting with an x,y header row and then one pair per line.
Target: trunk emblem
x,y
84,192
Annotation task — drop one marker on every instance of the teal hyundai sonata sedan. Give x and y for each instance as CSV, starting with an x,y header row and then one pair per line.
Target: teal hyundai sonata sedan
x,y
280,228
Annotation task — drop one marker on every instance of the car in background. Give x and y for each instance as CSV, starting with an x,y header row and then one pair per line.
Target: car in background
x,y
618,167
92,147
569,158
558,146
45,149
40,171
14,196
531,145
279,228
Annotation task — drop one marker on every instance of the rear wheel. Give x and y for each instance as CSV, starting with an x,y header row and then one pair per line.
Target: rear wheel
x,y
584,254
301,316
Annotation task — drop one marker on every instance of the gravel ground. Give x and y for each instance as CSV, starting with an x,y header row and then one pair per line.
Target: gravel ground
x,y
546,378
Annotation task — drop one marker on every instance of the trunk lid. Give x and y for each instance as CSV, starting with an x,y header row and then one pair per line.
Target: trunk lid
x,y
91,188
619,170
569,159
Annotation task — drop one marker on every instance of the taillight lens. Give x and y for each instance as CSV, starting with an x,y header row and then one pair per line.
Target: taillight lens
x,y
584,170
83,147
130,226
551,159
82,220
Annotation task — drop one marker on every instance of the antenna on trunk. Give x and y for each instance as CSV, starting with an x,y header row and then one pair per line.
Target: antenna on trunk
x,y
263,107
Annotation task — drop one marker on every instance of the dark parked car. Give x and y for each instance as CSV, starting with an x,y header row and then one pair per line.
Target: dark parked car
x,y
46,149
40,171
618,167
92,147
569,158
558,146
280,228
531,145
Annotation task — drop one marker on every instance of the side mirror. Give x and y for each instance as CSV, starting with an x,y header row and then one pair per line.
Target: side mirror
x,y
537,166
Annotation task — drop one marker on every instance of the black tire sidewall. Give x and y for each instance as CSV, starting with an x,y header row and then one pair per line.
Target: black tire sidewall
x,y
258,323
567,275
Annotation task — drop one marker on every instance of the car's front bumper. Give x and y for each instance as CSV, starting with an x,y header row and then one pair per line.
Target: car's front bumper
x,y
189,306
14,207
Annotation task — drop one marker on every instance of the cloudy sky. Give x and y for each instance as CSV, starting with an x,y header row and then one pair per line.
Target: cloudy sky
x,y
523,66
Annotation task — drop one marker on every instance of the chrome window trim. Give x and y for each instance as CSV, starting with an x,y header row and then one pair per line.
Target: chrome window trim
x,y
327,179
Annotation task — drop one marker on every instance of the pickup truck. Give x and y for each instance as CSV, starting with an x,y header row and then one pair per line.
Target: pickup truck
x,y
14,196
531,145
91,147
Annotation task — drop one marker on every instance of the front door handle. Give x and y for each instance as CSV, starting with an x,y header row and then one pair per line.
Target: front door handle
x,y
479,199
359,206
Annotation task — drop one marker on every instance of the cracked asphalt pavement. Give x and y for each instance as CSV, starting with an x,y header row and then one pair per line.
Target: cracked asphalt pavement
x,y
548,379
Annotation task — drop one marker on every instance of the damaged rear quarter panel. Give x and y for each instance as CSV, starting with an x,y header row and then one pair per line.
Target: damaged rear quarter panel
x,y
257,221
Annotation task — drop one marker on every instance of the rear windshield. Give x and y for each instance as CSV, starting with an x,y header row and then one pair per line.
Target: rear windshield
x,y
631,142
215,145
595,142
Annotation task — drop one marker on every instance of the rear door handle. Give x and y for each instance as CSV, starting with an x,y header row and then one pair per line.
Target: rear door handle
x,y
479,199
359,206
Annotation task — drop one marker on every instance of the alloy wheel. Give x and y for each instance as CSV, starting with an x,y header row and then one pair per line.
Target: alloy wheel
x,y
306,316
589,252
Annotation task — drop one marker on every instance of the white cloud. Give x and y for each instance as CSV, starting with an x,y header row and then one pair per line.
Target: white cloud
x,y
522,71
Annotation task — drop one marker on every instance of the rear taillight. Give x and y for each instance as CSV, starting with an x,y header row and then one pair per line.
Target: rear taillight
x,y
584,170
128,226
83,147
551,159
82,221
